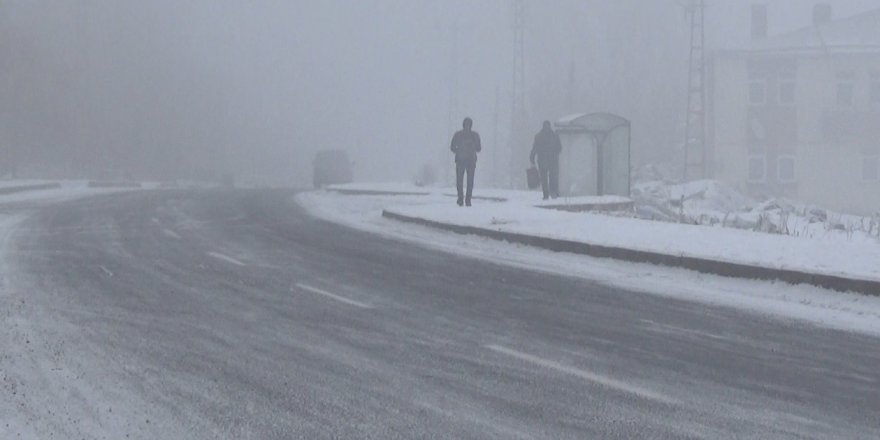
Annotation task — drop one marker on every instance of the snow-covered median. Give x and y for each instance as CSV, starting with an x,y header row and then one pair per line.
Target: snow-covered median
x,y
816,305
851,259
833,254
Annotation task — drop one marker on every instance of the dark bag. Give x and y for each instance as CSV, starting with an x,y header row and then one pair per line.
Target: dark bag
x,y
533,177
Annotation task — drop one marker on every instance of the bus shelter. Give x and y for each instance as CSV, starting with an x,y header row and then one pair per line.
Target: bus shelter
x,y
595,157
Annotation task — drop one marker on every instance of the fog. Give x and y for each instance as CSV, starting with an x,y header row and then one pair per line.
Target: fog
x,y
168,89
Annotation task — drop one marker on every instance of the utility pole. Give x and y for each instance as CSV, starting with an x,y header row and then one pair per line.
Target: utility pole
x,y
452,119
695,120
495,141
518,146
572,87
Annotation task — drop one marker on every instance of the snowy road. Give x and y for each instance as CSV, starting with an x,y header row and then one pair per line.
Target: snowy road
x,y
211,314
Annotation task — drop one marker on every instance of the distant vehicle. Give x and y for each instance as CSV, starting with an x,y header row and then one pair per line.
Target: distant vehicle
x,y
331,167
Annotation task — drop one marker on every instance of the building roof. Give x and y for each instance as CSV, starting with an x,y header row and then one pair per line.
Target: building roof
x,y
855,34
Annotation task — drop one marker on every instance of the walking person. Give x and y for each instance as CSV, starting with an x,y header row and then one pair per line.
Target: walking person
x,y
465,144
546,148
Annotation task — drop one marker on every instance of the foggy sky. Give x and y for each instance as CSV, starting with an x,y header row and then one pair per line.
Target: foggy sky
x,y
187,89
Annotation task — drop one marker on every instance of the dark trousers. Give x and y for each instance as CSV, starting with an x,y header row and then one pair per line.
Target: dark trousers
x,y
460,169
549,177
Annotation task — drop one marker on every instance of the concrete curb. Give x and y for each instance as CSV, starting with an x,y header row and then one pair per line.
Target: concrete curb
x,y
34,187
715,267
587,207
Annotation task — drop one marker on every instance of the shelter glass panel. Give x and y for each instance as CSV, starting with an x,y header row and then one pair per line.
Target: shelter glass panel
x,y
615,158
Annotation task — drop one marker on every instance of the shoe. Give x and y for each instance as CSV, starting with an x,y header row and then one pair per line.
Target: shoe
x,y
468,203
460,202
546,197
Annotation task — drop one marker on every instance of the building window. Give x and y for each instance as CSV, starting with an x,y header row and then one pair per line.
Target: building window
x,y
846,87
757,92
871,167
785,169
757,168
787,84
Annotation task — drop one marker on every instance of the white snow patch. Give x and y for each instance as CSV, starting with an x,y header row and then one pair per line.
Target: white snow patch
x,y
31,375
334,296
856,259
226,258
583,374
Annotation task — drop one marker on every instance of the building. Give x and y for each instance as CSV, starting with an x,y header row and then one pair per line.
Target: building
x,y
798,115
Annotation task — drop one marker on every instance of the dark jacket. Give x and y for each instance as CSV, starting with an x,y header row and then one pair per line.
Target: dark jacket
x,y
547,146
465,144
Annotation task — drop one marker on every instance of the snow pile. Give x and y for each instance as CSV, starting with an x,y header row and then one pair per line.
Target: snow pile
x,y
689,200
709,195
712,203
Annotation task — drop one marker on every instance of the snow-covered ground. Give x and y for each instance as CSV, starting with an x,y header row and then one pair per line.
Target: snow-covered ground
x,y
712,226
21,353
856,259
712,203
815,305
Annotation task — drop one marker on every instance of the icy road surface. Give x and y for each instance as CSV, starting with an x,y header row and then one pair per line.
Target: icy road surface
x,y
212,314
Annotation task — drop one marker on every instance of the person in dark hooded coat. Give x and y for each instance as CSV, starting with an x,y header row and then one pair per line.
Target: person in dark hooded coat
x,y
465,144
546,148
